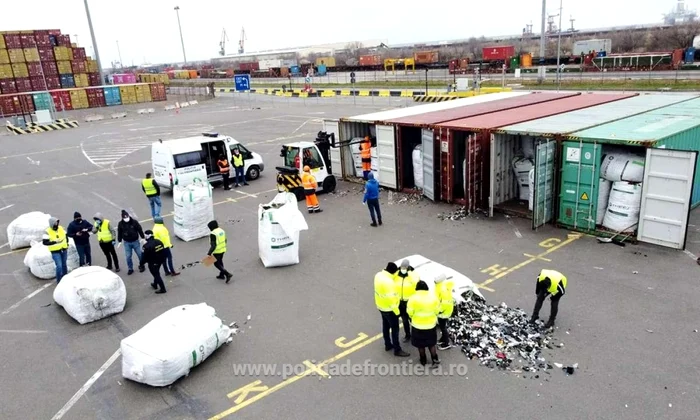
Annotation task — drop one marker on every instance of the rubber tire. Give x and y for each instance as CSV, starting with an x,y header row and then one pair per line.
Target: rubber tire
x,y
329,184
253,173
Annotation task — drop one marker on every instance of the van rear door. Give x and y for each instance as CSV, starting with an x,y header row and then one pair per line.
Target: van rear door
x,y
161,162
188,167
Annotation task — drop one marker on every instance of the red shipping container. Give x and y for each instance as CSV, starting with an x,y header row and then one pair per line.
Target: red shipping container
x,y
7,105
53,82
253,66
35,69
54,32
27,41
41,32
50,68
24,104
498,53
79,53
157,92
42,40
8,86
38,83
23,84
79,66
63,41
370,60
12,41
96,97
94,79
46,53
61,100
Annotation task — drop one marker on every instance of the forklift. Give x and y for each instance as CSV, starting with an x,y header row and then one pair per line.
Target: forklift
x,y
316,156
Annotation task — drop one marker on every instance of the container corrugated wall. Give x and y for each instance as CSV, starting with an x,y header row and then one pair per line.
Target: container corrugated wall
x,y
505,186
348,131
687,140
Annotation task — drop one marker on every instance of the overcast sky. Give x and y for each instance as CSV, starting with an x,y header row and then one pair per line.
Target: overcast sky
x,y
147,29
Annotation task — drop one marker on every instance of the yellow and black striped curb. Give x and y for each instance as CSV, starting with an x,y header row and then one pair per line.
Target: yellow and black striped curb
x,y
32,127
326,93
287,182
433,98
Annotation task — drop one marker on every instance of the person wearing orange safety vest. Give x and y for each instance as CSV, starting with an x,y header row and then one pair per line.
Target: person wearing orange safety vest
x,y
224,170
443,291
423,308
310,185
366,154
386,298
549,282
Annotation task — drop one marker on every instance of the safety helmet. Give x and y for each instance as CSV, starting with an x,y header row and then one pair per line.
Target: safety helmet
x,y
306,168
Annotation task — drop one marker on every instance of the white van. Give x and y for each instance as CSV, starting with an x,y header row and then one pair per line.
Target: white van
x,y
181,161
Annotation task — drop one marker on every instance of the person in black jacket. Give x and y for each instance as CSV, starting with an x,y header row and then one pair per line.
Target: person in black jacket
x,y
79,229
129,230
217,248
154,256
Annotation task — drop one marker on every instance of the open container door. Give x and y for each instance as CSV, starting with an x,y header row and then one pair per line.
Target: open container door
x,y
332,126
492,175
543,197
428,163
386,154
666,196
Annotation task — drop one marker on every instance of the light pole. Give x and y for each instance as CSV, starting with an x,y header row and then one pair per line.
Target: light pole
x,y
541,70
182,41
76,39
94,42
121,63
559,47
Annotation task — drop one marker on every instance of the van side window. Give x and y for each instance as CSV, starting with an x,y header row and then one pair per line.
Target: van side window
x,y
245,152
184,160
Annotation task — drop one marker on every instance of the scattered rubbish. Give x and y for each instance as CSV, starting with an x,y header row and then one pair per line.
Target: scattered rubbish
x,y
635,272
120,384
49,304
693,330
340,193
458,214
248,318
404,198
560,345
189,265
650,331
498,336
559,365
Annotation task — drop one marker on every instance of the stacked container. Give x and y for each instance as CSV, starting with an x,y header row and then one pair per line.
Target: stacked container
x,y
128,94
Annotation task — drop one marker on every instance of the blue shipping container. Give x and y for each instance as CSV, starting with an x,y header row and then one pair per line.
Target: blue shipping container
x,y
42,101
690,55
112,95
295,70
67,81
321,71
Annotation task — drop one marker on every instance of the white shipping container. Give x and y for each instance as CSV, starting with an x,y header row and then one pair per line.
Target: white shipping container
x,y
270,64
288,63
589,45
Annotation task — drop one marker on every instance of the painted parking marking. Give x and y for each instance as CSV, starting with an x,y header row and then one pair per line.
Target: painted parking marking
x,y
494,270
340,342
316,369
26,298
551,244
263,391
537,257
39,152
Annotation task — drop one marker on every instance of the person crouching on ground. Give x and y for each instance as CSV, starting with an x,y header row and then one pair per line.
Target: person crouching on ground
x,y
372,199
423,308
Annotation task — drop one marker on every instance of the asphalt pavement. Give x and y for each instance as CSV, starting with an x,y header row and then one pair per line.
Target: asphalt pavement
x,y
629,318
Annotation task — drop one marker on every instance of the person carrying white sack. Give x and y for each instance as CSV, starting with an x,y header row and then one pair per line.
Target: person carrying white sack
x,y
56,240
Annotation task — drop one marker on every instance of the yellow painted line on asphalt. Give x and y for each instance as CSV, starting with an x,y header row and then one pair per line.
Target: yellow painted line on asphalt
x,y
552,244
228,200
40,152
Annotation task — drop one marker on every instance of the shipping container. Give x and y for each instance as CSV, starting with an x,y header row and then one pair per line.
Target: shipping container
x,y
20,70
466,163
12,41
61,100
7,106
78,98
6,71
526,60
128,94
498,53
125,78
595,45
664,142
67,81
24,84
251,66
46,54
328,61
158,92
2,42
42,101
38,83
31,55
690,55
8,86
81,80
92,66
27,41
426,57
4,57
64,67
16,55
270,64
96,97
94,79
53,82
79,54
64,41
347,129
143,93
43,40
112,95
35,69
79,66
288,62
370,60
62,53
50,68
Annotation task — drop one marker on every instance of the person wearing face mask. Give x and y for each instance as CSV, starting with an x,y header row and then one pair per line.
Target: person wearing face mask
x,y
423,308
106,236
129,231
154,256
386,298
239,167
79,230
56,240
443,291
406,280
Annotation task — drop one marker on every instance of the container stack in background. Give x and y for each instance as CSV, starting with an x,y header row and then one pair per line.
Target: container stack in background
x,y
42,69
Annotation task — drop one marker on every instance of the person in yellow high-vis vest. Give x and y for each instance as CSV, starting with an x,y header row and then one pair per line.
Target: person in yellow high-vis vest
x,y
161,233
549,283
406,279
106,237
56,240
423,309
386,298
443,291
239,167
217,249
152,191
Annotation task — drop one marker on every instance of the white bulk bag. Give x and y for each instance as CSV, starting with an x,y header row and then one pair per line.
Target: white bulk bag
x,y
167,348
622,166
38,260
194,209
531,187
356,156
604,187
417,157
623,207
521,170
91,293
279,224
27,228
528,147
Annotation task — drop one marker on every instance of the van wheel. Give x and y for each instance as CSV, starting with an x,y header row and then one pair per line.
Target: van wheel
x,y
329,184
253,173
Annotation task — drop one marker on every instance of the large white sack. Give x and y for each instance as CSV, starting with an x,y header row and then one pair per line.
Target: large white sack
x,y
531,187
417,158
521,170
356,157
194,209
604,187
169,346
622,166
91,293
279,224
623,207
27,228
38,260
528,147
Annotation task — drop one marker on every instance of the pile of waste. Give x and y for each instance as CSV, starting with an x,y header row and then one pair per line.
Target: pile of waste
x,y
458,214
498,336
403,198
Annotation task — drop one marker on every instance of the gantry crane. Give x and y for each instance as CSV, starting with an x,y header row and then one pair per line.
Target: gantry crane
x,y
241,43
222,43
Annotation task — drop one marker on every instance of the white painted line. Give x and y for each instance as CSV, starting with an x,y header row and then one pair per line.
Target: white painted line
x,y
517,233
300,127
6,207
86,156
690,254
62,412
107,201
22,332
4,245
26,298
246,194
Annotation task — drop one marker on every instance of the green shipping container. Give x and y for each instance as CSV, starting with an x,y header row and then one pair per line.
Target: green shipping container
x,y
42,101
514,62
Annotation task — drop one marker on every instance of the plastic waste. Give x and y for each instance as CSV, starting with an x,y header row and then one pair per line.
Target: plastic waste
x,y
279,224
